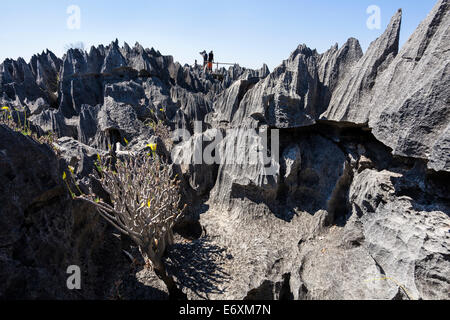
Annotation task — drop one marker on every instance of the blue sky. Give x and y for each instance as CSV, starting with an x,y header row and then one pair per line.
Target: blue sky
x,y
249,32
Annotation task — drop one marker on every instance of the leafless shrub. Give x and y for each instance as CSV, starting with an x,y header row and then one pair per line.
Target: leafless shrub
x,y
160,130
145,204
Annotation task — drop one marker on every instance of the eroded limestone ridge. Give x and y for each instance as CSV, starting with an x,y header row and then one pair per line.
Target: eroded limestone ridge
x,y
359,208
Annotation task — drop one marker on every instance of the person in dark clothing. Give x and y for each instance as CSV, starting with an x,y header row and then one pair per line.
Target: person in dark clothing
x,y
211,57
210,61
205,58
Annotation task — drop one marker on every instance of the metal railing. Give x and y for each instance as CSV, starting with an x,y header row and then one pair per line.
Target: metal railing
x,y
220,63
223,63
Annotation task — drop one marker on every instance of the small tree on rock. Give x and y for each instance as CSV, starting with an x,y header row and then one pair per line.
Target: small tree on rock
x,y
145,204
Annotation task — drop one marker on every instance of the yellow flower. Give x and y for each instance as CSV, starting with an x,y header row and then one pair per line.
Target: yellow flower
x,y
149,203
5,108
98,157
152,146
126,141
162,110
72,169
64,175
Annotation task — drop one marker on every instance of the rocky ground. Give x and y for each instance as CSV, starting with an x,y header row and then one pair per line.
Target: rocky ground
x,y
359,208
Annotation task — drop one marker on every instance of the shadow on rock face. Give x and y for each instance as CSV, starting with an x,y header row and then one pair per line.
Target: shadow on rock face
x,y
189,226
130,288
197,266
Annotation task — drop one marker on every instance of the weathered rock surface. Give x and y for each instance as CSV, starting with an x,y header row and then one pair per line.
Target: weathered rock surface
x,y
293,95
353,204
403,97
418,232
335,64
287,97
43,231
350,101
345,228
411,100
189,155
70,96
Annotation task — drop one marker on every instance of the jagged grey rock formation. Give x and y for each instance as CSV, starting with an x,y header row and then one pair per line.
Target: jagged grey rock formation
x,y
293,95
350,101
43,231
66,96
346,228
335,64
357,203
189,155
287,97
403,97
411,98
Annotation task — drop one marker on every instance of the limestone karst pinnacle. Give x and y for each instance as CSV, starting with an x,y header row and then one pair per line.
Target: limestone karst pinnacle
x,y
362,190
